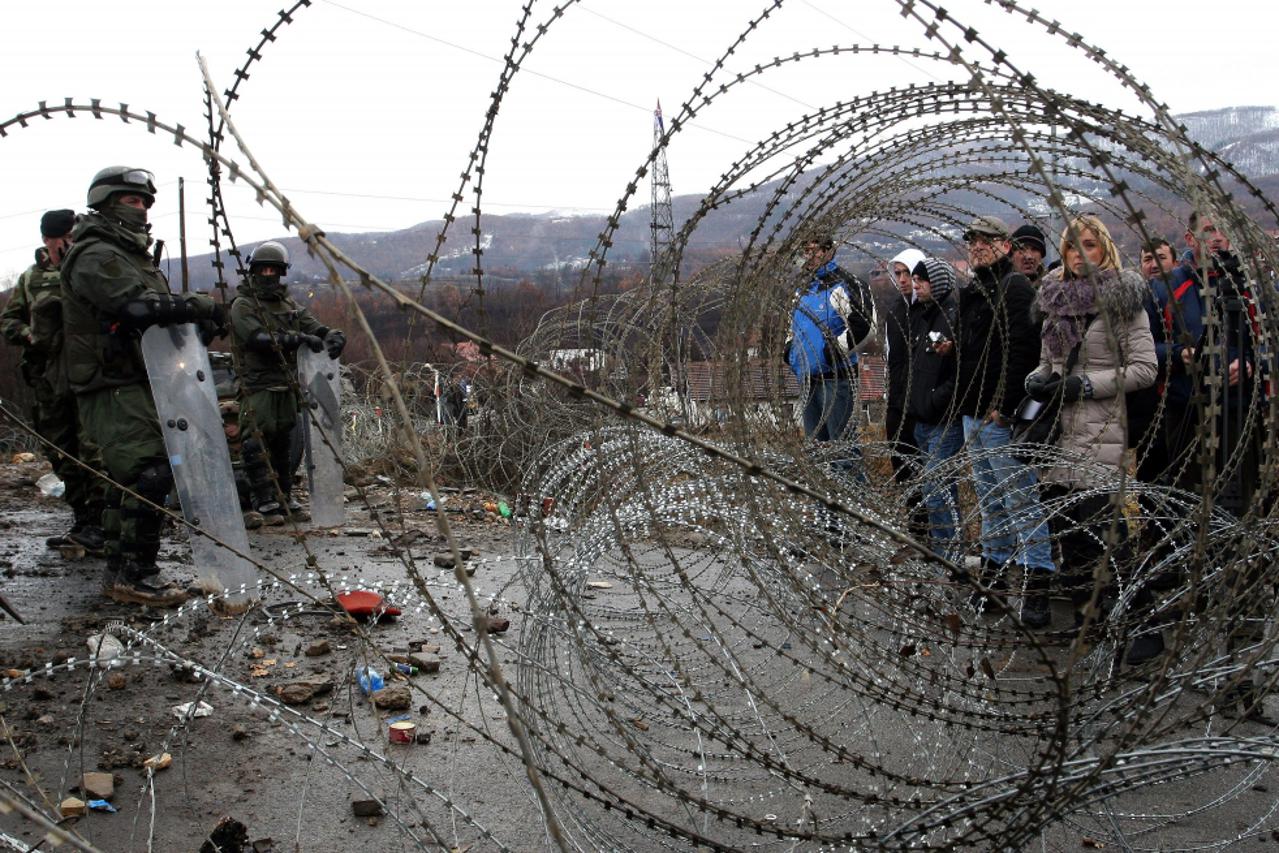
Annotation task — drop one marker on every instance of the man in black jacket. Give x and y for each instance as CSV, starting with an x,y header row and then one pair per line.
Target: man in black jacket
x,y
998,345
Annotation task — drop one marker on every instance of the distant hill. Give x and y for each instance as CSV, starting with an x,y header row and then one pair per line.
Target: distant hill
x,y
551,246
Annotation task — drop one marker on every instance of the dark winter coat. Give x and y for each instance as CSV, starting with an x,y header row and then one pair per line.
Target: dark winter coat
x,y
897,335
998,343
932,376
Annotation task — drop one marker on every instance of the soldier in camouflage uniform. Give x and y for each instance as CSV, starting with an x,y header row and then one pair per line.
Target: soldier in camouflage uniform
x,y
33,321
267,327
112,292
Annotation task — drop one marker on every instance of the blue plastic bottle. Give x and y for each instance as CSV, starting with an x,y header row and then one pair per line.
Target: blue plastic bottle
x,y
368,679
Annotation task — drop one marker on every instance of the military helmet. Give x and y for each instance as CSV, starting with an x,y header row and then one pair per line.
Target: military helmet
x,y
272,253
121,179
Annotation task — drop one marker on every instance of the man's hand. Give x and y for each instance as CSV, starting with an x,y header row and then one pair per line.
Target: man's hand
x,y
944,348
1234,371
996,418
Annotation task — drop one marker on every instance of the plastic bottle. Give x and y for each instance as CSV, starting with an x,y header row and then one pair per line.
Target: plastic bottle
x,y
50,485
368,679
405,669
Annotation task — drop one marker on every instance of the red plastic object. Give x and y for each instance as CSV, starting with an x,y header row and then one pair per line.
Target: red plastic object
x,y
362,603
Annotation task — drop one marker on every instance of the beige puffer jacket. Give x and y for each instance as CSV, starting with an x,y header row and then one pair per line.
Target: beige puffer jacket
x,y
1117,356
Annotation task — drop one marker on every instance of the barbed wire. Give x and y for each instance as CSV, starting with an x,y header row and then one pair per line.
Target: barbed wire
x,y
731,637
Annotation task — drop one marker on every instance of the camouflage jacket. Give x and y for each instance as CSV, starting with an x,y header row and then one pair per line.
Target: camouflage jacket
x,y
33,321
106,267
253,311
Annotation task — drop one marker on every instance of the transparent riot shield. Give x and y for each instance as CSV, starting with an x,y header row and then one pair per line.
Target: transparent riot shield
x,y
321,387
187,403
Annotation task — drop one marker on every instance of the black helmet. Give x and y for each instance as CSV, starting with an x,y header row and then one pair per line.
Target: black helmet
x,y
121,179
272,253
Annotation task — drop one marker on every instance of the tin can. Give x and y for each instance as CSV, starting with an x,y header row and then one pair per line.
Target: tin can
x,y
402,731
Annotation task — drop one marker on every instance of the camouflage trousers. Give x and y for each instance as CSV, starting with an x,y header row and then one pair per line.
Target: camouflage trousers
x,y
267,419
123,423
56,419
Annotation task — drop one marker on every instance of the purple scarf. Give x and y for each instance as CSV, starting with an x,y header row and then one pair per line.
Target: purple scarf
x,y
1066,303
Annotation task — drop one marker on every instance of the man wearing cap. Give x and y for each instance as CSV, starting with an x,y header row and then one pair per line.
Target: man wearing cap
x,y
1029,251
112,292
997,346
33,321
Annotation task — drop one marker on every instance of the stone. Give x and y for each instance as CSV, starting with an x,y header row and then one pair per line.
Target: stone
x,y
366,808
239,732
302,691
394,698
320,647
45,720
73,807
99,786
117,680
496,624
159,762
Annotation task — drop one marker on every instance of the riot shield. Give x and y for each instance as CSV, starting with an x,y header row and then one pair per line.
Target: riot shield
x,y
187,403
320,380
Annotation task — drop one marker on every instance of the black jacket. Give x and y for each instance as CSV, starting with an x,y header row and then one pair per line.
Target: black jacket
x,y
932,377
897,334
998,343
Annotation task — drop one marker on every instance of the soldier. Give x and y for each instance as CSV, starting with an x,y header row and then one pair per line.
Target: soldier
x,y
33,321
112,292
267,328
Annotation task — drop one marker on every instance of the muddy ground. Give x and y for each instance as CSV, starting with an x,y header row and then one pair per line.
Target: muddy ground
x,y
291,775
238,761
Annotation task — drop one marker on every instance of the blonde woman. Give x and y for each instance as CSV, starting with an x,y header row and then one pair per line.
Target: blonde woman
x,y
1096,347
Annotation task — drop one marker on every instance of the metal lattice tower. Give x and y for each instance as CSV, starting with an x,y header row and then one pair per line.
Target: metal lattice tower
x,y
663,224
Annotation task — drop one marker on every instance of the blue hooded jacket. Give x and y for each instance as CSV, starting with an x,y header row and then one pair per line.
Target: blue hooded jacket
x,y
817,325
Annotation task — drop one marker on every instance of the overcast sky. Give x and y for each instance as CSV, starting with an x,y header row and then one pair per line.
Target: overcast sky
x,y
365,111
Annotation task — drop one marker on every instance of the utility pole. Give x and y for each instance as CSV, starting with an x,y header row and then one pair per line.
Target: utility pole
x,y
662,227
182,234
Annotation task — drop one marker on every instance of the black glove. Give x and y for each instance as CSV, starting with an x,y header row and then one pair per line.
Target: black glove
x,y
1227,262
1040,388
315,342
1072,389
786,351
334,342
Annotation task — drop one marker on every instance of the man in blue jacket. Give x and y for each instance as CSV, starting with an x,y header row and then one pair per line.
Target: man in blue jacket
x,y
833,318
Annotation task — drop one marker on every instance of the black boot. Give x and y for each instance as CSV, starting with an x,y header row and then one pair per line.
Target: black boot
x,y
1146,647
1036,608
91,538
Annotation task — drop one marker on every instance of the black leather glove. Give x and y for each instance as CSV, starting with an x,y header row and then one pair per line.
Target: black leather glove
x,y
1073,389
335,342
315,342
1040,388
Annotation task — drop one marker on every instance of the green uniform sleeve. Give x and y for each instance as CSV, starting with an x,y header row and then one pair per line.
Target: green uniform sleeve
x,y
16,317
310,325
245,320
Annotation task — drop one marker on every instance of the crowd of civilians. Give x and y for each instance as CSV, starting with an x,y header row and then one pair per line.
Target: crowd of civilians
x,y
1119,357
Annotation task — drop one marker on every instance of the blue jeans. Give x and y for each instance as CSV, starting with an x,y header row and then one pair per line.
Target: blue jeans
x,y
1012,521
937,443
828,408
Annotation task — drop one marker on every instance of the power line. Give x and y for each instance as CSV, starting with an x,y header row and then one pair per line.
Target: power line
x,y
548,77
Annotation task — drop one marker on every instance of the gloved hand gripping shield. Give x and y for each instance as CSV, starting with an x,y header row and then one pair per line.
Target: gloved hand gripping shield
x,y
320,379
186,401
